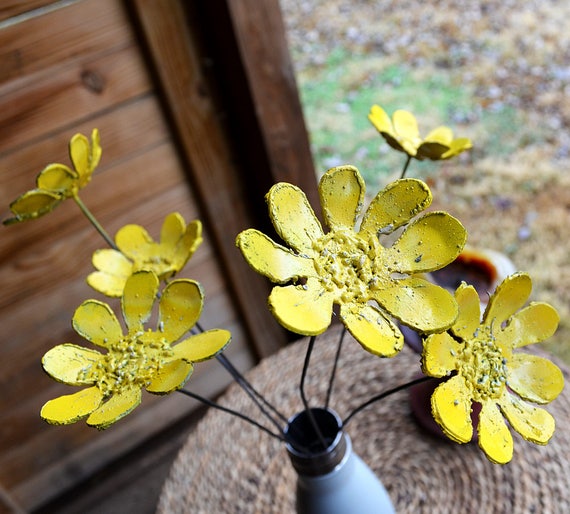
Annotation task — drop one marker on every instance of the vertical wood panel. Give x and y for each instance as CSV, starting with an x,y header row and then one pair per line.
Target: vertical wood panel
x,y
211,162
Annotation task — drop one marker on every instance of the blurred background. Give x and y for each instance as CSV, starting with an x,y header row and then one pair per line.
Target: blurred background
x,y
496,72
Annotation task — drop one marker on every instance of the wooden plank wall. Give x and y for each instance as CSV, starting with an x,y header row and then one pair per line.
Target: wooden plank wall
x,y
64,69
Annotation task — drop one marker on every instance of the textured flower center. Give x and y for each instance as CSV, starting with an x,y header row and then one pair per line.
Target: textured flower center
x,y
484,368
131,362
346,263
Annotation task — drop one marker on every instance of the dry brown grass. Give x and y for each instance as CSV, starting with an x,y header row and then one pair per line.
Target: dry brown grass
x,y
509,54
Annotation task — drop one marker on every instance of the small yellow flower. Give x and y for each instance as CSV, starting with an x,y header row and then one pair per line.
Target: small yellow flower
x,y
351,268
57,182
402,134
134,360
137,251
479,356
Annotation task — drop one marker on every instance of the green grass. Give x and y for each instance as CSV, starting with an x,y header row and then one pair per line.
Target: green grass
x,y
337,98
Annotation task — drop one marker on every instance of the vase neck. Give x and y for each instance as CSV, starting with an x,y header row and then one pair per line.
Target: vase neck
x,y
315,453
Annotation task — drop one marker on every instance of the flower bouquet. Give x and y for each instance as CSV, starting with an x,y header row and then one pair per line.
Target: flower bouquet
x,y
370,269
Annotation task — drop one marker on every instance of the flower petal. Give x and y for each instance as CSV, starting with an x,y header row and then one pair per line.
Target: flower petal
x,y
534,378
533,324
440,135
495,438
113,262
33,204
469,317
117,407
406,129
427,244
383,124
292,216
395,205
419,304
171,376
85,157
380,119
57,177
436,143
138,298
511,294
305,309
188,243
377,334
134,242
72,407
276,262
439,356
72,364
179,308
457,146
341,192
451,409
96,150
533,423
201,347
114,268
432,151
96,322
173,228
109,285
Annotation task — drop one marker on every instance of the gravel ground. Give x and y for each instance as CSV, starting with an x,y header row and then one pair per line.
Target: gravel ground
x,y
509,53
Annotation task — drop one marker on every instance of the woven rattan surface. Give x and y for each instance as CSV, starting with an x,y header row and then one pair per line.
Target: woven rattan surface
x,y
227,466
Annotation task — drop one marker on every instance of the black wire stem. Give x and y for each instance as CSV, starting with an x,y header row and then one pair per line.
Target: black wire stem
x,y
384,395
255,396
302,393
406,166
335,364
215,405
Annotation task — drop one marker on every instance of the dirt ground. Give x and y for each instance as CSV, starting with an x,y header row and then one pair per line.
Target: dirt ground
x,y
511,54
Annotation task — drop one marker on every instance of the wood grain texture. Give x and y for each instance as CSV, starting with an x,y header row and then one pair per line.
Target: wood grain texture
x,y
13,8
261,42
89,74
211,162
62,36
172,148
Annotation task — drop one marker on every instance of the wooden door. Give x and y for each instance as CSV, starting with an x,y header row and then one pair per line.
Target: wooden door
x,y
151,75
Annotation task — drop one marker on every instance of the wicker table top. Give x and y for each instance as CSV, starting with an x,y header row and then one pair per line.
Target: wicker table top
x,y
227,466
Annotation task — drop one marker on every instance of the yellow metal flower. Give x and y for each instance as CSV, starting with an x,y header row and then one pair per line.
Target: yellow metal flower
x,y
479,356
138,251
350,267
402,134
134,360
57,182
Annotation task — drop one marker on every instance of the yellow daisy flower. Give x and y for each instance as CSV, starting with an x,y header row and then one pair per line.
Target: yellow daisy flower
x,y
57,182
402,134
138,251
134,360
371,283
479,356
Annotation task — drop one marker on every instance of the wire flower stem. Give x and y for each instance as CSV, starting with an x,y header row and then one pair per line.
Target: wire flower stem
x,y
302,392
94,222
385,394
215,405
335,364
408,160
256,397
